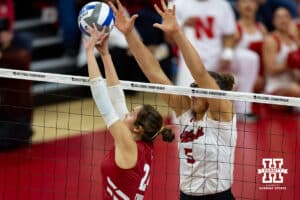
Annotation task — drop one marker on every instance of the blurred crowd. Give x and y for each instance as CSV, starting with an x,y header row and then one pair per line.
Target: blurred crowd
x,y
256,40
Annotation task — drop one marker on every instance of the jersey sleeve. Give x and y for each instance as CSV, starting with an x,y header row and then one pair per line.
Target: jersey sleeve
x,y
229,25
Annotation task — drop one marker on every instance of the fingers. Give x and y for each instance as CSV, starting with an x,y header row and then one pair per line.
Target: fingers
x,y
133,18
113,7
120,6
158,10
163,4
174,9
103,38
96,35
159,26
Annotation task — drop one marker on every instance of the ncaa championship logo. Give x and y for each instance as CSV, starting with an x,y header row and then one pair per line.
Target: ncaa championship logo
x,y
272,171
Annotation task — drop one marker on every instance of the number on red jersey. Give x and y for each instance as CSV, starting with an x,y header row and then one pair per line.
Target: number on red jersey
x,y
145,180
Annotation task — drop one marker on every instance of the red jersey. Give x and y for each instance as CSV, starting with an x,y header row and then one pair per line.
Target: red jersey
x,y
129,184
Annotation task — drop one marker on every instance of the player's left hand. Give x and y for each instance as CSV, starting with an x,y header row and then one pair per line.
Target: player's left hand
x,y
169,24
97,38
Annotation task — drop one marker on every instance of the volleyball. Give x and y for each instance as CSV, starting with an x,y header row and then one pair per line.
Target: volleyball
x,y
96,12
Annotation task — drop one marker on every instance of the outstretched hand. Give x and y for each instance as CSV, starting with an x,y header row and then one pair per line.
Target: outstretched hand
x,y
123,23
169,24
97,38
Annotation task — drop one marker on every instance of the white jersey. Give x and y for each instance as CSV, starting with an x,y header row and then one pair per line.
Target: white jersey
x,y
247,38
206,153
215,19
282,80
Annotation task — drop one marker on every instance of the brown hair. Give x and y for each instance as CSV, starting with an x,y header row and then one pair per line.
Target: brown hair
x,y
151,121
225,81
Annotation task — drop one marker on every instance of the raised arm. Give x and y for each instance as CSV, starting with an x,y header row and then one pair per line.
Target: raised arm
x,y
219,109
114,89
125,146
147,62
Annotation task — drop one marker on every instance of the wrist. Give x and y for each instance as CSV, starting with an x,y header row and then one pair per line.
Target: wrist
x,y
104,54
176,35
227,53
90,51
128,33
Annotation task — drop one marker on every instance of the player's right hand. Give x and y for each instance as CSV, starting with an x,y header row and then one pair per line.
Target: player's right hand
x,y
169,24
123,23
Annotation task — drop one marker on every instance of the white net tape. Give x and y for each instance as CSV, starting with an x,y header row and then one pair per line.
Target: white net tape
x,y
155,88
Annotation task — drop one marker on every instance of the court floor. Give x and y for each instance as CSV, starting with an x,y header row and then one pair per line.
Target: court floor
x,y
70,141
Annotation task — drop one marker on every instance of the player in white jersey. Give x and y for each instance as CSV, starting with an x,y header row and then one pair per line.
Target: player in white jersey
x,y
210,27
281,79
208,126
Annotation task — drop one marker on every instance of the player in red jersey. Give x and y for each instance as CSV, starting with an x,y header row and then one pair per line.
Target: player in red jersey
x,y
127,167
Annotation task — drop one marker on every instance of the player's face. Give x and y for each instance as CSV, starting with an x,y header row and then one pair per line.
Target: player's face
x,y
247,8
131,117
282,20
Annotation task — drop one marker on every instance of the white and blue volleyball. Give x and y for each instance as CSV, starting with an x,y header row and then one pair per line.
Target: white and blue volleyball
x,y
96,12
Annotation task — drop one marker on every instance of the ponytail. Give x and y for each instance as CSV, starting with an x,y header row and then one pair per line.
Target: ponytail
x,y
167,134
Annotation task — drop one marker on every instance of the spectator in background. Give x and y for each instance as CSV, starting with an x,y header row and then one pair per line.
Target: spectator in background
x,y
281,79
268,7
211,27
68,13
20,38
15,96
250,34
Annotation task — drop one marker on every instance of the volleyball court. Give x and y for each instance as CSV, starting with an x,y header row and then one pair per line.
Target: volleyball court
x,y
70,140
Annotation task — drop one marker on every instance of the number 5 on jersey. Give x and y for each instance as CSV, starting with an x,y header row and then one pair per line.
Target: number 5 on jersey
x,y
189,154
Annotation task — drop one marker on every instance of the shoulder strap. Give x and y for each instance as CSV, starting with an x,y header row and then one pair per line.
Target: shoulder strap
x,y
240,30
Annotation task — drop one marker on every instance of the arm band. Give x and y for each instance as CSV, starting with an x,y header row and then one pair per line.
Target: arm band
x,y
227,54
101,98
118,100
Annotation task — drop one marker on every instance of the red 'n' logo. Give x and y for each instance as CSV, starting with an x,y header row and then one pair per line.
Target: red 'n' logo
x,y
204,26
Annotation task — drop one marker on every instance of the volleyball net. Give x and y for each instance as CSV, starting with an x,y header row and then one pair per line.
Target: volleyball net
x,y
69,140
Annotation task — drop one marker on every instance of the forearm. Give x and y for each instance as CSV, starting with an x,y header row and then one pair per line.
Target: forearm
x,y
146,60
115,92
93,67
110,72
102,100
190,55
